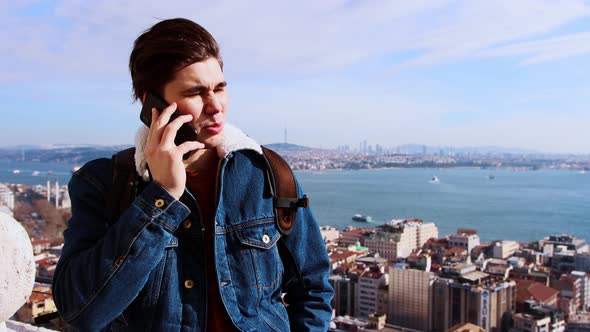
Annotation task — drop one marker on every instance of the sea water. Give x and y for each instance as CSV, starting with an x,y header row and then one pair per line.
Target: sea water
x,y
522,206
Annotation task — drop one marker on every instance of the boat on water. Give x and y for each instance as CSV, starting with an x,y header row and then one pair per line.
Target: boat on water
x,y
35,173
16,171
362,218
491,177
434,179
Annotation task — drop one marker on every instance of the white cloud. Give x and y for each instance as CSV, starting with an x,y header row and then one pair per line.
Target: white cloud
x,y
548,49
476,26
86,44
271,37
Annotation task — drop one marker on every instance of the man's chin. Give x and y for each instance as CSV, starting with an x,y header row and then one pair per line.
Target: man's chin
x,y
213,141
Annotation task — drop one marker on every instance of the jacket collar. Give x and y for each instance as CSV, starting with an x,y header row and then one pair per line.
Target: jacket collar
x,y
233,140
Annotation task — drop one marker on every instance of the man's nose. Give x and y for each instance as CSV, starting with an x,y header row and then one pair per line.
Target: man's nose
x,y
213,104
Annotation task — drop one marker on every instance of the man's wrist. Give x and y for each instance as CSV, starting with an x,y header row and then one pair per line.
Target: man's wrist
x,y
174,193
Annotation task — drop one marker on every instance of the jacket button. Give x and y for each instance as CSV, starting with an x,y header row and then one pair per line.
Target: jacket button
x,y
265,238
187,224
189,284
159,203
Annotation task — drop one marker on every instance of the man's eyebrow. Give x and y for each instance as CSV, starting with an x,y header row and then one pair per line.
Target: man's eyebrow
x,y
195,89
199,88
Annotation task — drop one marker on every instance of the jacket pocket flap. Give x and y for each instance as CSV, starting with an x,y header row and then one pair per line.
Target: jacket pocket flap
x,y
262,236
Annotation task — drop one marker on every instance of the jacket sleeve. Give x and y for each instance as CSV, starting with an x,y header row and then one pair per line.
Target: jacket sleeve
x,y
308,293
102,269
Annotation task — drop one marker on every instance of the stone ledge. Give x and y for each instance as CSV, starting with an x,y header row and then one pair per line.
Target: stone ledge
x,y
14,326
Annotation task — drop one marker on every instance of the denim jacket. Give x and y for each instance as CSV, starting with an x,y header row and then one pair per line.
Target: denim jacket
x,y
140,274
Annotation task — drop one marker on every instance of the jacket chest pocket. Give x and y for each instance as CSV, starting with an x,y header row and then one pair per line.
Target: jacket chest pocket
x,y
259,254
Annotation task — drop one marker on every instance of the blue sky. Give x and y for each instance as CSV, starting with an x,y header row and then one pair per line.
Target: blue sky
x,y
333,72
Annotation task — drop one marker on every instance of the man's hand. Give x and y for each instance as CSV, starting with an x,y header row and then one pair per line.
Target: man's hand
x,y
164,158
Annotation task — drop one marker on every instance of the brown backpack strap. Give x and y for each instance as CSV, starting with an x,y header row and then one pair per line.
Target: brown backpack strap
x,y
124,186
284,191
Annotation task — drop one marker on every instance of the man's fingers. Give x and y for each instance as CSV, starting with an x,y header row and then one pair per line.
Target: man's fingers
x,y
159,122
154,118
164,117
189,146
172,128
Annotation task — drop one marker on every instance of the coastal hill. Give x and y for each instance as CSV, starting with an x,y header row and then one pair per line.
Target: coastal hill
x,y
79,154
74,154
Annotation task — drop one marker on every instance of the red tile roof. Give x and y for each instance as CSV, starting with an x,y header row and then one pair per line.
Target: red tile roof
x,y
455,251
358,231
39,294
341,256
528,289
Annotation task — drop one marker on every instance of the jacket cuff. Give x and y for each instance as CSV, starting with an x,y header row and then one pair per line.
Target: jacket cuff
x,y
161,207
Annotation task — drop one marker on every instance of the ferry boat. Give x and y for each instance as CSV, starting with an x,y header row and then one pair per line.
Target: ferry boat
x,y
362,218
16,171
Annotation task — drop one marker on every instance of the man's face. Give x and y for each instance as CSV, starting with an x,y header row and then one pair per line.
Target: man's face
x,y
199,89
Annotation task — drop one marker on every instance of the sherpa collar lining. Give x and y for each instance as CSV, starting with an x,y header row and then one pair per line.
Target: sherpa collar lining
x,y
233,140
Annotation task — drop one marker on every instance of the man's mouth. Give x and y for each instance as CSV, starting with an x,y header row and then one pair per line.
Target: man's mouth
x,y
213,128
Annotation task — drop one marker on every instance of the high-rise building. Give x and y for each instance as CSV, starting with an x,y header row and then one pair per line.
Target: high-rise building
x,y
472,298
370,284
584,288
345,288
410,297
569,287
400,238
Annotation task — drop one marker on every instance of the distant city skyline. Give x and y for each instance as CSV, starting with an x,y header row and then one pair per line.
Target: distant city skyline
x,y
435,73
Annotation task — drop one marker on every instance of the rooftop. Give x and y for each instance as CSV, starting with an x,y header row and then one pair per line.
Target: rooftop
x,y
528,289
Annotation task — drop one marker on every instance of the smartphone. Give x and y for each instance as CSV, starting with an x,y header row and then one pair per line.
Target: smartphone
x,y
152,100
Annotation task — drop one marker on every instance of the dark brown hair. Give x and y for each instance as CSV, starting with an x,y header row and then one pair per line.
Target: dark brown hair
x,y
165,48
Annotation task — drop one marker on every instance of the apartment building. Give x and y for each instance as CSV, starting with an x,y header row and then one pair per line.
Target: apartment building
x,y
370,284
504,249
6,197
410,297
472,298
464,239
399,238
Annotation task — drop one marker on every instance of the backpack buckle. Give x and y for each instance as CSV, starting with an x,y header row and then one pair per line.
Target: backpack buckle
x,y
291,203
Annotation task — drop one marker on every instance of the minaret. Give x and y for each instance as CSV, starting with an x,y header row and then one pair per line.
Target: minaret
x,y
48,190
56,194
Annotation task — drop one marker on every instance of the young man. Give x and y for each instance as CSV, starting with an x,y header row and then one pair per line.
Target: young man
x,y
198,249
